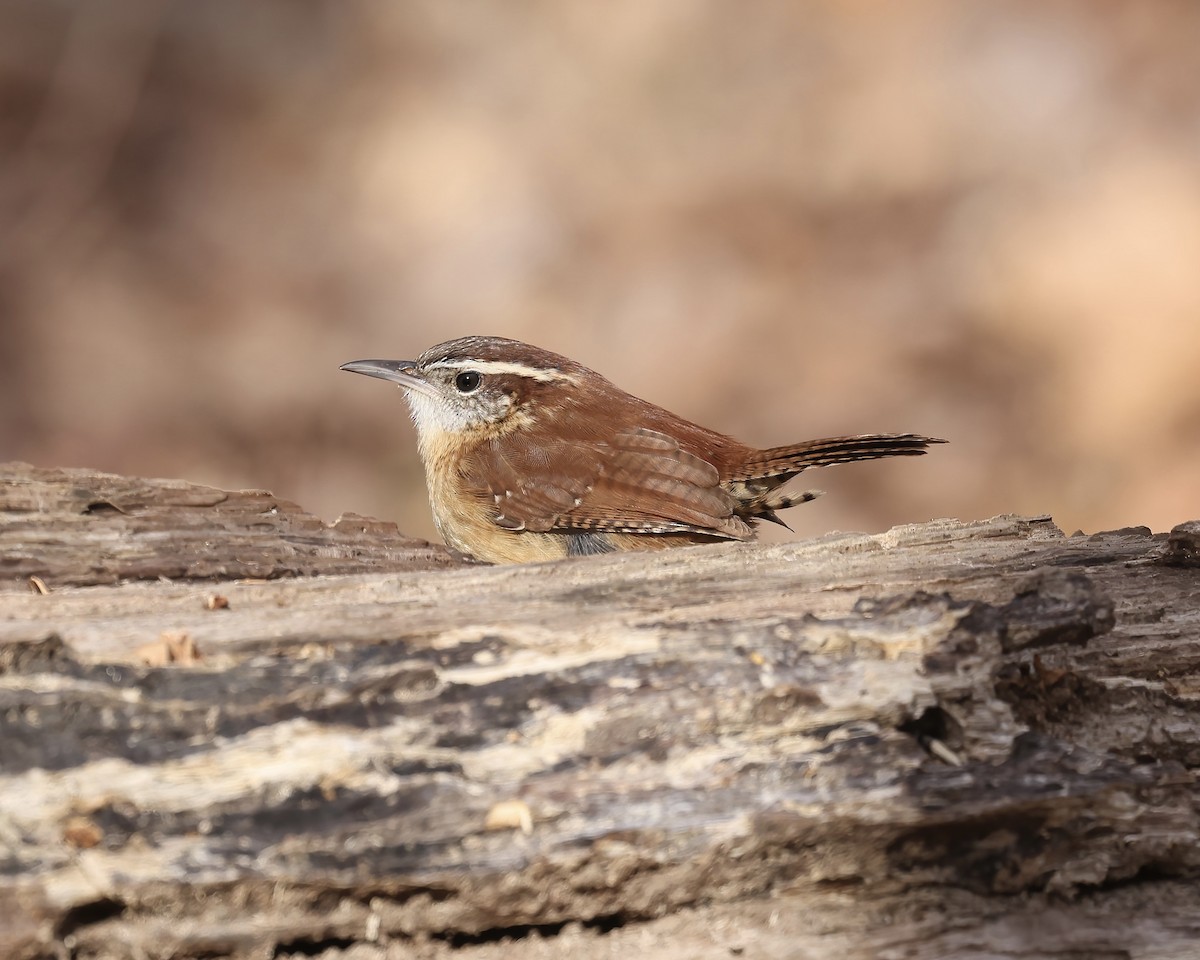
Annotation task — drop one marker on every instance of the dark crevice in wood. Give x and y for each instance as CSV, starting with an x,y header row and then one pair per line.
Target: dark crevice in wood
x,y
934,724
311,946
102,506
515,934
87,914
518,932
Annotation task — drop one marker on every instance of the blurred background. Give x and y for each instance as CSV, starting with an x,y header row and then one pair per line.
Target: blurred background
x,y
784,220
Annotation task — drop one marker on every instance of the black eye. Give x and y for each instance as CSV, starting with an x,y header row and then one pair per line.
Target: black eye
x,y
467,381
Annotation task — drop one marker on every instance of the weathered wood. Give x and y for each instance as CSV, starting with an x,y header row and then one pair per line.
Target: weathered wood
x,y
974,739
81,528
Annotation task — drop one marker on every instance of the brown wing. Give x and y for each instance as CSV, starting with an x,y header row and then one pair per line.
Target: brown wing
x,y
639,482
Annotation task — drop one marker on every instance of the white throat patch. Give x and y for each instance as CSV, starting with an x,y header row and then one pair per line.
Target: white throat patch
x,y
433,415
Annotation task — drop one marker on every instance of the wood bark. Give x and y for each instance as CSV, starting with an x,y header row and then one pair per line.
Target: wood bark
x,y
228,729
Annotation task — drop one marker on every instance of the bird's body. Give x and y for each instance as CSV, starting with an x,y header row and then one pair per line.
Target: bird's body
x,y
530,456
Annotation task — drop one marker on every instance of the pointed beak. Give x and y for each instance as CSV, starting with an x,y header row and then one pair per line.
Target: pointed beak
x,y
398,370
402,372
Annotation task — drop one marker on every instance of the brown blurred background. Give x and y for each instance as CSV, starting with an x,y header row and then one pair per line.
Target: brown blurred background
x,y
784,220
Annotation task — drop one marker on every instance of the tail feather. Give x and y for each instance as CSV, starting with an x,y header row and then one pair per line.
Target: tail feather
x,y
796,458
765,508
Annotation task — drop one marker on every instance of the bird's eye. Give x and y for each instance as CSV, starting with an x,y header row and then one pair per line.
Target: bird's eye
x,y
467,381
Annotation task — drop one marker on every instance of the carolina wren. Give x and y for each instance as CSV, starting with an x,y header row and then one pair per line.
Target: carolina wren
x,y
532,456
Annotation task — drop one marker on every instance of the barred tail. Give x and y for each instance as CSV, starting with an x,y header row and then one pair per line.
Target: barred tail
x,y
791,460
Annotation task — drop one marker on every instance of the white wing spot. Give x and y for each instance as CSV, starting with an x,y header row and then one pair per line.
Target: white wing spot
x,y
496,497
507,493
578,501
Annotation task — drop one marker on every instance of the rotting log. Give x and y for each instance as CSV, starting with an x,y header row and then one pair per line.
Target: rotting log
x,y
230,730
79,528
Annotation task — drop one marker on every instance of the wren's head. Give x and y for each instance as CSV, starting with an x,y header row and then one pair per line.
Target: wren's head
x,y
474,383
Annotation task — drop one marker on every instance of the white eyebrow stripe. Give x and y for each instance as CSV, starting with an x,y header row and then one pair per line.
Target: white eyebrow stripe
x,y
499,366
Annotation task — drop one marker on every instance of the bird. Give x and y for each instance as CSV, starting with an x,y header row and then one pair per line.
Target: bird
x,y
531,456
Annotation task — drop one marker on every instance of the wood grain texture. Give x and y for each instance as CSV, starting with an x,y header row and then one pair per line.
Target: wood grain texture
x,y
81,528
952,739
